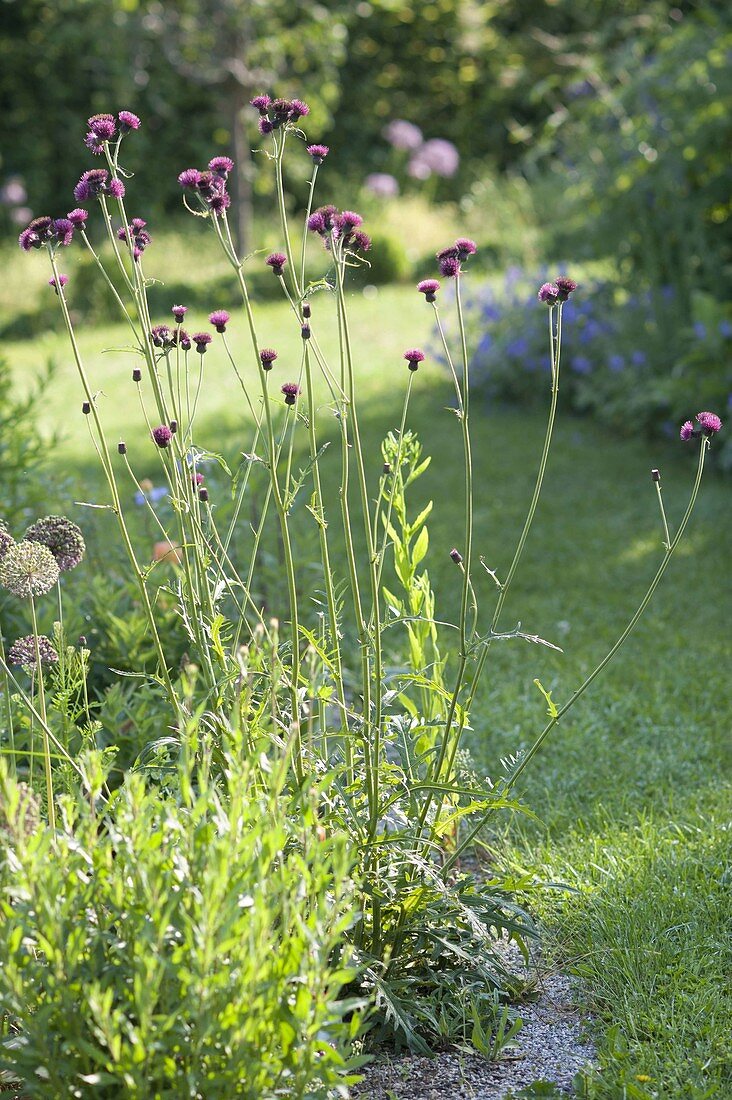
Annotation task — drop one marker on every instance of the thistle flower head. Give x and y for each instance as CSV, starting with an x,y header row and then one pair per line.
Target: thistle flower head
x,y
265,126
162,435
429,288
202,340
219,319
102,126
219,202
62,537
221,166
449,267
91,184
28,569
277,261
465,247
687,431
358,241
62,231
22,652
280,110
291,390
267,357
116,188
189,178
179,312
316,224
78,217
709,423
347,220
548,294
62,281
162,336
318,153
93,144
565,286
414,357
261,103
298,110
128,121
36,234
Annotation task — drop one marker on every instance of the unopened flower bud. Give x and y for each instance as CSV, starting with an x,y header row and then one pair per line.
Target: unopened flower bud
x,y
305,331
173,425
456,556
86,408
306,310
655,475
82,640
387,467
137,375
122,448
203,494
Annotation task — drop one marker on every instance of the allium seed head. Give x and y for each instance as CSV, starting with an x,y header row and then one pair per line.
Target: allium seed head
x,y
22,652
6,539
62,537
28,569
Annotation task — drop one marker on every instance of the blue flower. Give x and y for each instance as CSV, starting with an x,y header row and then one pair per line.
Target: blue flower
x,y
581,364
616,362
638,358
700,330
724,328
518,347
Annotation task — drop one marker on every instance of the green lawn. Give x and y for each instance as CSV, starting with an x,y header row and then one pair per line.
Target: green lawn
x,y
633,789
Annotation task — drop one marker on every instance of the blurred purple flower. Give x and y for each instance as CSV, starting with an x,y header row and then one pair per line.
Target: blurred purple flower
x,y
438,156
382,184
403,135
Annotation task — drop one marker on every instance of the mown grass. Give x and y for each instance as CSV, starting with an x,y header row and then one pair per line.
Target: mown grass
x,y
632,791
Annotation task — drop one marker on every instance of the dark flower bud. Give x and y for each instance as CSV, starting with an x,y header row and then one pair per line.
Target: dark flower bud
x,y
267,357
203,494
122,448
173,426
137,375
655,475
387,467
456,556
306,310
291,390
305,332
86,408
277,261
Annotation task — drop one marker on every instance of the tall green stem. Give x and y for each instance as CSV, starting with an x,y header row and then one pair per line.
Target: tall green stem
x,y
44,720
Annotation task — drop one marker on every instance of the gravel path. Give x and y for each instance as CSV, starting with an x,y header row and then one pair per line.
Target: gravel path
x,y
551,1046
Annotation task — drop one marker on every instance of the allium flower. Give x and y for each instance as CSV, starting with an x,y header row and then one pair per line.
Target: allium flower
x,y
318,153
179,312
465,247
189,178
403,135
277,261
28,569
221,166
449,267
219,319
62,281
565,287
261,103
78,217
548,294
687,431
127,122
438,156
267,357
382,184
291,390
22,652
709,422
62,537
414,357
6,539
162,435
429,288
202,340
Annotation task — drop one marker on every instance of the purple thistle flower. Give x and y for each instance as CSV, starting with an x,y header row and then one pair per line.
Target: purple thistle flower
x,y
221,166
36,234
62,281
261,103
22,653
29,239
197,478
277,261
78,217
62,537
179,312
219,202
91,184
447,253
267,357
63,231
93,144
136,374
359,241
465,247
565,286
306,309
429,288
687,431
116,188
298,110
161,336
318,153
127,122
414,357
709,422
189,178
449,267
347,220
291,390
219,319
316,222
281,109
162,435
185,340
265,126
548,294
201,340
103,126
